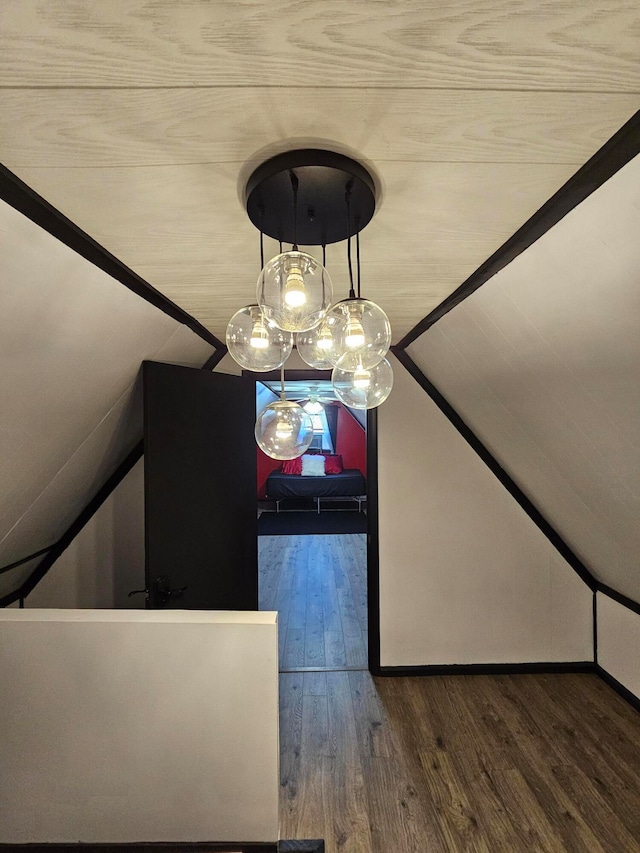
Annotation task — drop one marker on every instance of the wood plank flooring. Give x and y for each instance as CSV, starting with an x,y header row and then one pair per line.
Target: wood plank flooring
x,y
443,763
459,763
318,585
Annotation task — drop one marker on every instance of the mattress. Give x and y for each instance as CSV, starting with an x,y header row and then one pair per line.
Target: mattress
x,y
346,484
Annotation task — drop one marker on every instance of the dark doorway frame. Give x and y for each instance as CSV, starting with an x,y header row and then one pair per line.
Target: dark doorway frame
x,y
373,549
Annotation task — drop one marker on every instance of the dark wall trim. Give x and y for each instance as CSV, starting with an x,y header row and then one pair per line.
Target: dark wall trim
x,y
215,358
162,847
26,559
619,597
488,668
614,154
373,544
492,463
595,626
630,697
76,526
21,197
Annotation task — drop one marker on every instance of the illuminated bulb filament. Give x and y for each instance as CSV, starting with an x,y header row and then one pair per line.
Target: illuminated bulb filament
x,y
361,378
259,336
325,341
294,295
354,336
284,430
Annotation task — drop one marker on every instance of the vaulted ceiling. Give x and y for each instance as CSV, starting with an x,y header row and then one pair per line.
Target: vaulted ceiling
x,y
140,121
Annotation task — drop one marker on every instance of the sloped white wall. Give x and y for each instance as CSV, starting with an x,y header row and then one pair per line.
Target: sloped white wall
x,y
71,343
543,363
106,559
465,575
619,642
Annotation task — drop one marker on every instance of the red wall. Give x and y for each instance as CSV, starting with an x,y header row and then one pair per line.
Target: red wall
x,y
351,444
351,441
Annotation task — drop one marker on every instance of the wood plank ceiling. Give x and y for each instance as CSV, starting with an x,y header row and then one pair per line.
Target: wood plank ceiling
x,y
140,120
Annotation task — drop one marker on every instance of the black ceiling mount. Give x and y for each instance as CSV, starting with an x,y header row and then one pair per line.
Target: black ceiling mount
x,y
323,180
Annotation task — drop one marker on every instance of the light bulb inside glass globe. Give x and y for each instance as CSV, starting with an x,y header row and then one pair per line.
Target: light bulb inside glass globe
x,y
324,339
294,291
363,388
354,334
254,343
360,327
315,347
259,335
361,378
283,430
294,294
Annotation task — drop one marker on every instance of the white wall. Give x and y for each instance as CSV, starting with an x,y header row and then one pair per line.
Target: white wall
x,y
106,559
542,363
619,642
71,343
465,575
132,726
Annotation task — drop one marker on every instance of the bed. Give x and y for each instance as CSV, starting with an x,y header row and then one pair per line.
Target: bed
x,y
349,483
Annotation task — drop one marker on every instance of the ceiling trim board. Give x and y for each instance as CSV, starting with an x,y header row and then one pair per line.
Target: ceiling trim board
x,y
624,600
614,154
22,198
496,468
76,526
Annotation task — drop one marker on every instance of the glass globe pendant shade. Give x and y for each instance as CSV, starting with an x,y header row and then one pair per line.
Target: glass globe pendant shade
x,y
316,346
254,343
294,291
360,328
363,387
283,430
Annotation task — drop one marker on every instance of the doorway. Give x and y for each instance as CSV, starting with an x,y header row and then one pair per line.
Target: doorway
x,y
318,559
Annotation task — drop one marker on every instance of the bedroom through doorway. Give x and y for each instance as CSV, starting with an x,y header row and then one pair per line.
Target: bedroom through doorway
x,y
313,527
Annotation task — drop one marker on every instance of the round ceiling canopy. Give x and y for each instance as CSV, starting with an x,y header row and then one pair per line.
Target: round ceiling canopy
x,y
323,179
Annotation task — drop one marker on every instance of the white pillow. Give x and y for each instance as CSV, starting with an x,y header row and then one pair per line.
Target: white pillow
x,y
312,466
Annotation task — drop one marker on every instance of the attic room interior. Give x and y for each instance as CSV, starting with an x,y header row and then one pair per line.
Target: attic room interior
x,y
457,667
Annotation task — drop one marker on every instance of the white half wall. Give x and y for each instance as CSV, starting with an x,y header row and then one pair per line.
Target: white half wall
x,y
106,559
619,642
465,575
133,726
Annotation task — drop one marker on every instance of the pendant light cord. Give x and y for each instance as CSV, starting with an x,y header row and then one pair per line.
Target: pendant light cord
x,y
282,394
324,265
294,187
347,198
358,260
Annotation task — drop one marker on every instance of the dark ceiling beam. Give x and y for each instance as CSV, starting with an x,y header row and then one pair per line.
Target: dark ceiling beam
x,y
614,154
21,197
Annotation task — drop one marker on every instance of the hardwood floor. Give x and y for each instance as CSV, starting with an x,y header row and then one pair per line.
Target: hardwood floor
x,y
441,763
318,585
459,763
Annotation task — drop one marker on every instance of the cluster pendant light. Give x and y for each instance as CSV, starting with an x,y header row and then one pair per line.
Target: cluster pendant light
x,y
317,197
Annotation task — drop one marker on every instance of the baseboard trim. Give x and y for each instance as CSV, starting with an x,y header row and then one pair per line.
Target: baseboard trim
x,y
315,845
161,846
488,669
620,689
